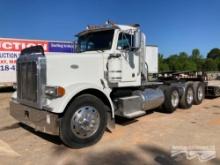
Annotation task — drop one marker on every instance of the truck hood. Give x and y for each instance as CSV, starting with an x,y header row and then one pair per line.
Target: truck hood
x,y
66,69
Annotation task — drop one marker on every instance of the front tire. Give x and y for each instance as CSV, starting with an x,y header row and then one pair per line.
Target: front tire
x,y
84,122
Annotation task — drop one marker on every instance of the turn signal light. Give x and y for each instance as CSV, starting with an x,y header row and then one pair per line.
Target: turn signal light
x,y
60,91
55,91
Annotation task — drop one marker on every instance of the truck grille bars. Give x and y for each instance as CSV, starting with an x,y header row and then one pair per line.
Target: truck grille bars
x,y
27,80
31,77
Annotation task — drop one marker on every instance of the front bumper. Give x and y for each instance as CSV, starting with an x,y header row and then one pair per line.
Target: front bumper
x,y
40,120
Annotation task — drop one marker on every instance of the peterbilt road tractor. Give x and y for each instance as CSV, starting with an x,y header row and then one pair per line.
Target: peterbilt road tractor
x,y
112,73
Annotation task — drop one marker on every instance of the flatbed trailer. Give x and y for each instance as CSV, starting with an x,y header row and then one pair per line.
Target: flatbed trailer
x,y
212,87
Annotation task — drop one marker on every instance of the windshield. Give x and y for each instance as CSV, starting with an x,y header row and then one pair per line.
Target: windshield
x,y
101,40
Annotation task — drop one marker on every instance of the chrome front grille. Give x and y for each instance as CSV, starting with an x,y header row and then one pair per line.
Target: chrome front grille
x,y
31,80
27,74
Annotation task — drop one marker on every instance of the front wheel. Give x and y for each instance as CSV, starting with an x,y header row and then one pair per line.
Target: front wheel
x,y
84,122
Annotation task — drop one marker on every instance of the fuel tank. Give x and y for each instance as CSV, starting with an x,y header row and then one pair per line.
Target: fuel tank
x,y
150,98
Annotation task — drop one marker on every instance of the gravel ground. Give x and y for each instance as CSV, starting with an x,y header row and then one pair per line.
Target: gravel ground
x,y
146,140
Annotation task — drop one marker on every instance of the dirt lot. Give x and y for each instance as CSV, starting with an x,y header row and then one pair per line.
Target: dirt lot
x,y
146,140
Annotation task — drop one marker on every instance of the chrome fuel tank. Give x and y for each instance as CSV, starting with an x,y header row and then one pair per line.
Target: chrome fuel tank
x,y
150,98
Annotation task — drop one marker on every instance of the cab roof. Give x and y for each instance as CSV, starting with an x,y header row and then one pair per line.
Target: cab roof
x,y
108,26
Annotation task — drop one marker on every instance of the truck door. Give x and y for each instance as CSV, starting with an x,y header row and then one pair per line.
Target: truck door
x,y
130,59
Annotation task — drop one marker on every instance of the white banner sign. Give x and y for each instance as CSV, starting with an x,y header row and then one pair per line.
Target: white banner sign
x,y
10,50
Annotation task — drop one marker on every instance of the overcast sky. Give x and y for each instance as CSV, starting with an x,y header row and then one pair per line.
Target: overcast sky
x,y
173,25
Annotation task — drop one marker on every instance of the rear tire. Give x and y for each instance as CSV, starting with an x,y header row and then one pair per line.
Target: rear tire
x,y
84,122
199,92
187,98
171,101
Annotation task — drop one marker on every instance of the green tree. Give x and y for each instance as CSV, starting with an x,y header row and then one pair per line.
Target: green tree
x,y
210,65
189,65
181,62
186,63
214,53
163,66
196,55
173,63
197,58
218,63
194,62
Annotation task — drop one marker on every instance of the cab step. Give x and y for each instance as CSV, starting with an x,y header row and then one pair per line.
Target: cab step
x,y
130,107
134,114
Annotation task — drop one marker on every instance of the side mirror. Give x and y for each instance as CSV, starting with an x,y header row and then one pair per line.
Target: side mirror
x,y
137,39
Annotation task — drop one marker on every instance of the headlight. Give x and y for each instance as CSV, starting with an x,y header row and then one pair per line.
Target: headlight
x,y
54,91
14,85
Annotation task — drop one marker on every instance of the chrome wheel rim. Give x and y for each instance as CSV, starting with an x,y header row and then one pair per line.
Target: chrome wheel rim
x,y
200,93
189,96
85,122
175,98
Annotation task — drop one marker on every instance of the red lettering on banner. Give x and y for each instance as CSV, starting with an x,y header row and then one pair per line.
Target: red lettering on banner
x,y
15,45
3,61
12,61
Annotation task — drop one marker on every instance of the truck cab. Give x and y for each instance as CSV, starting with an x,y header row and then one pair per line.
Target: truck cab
x,y
118,46
77,96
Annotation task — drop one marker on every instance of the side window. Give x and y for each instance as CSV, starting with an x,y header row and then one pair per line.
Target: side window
x,y
124,41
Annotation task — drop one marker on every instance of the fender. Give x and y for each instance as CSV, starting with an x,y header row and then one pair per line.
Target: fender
x,y
58,105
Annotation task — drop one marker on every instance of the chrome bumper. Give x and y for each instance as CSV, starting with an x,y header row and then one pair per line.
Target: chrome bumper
x,y
40,120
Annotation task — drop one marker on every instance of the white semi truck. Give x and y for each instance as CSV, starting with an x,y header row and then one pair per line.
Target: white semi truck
x,y
77,97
